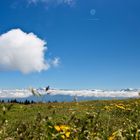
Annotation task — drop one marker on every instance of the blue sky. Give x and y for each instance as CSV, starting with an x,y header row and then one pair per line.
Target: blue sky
x,y
97,41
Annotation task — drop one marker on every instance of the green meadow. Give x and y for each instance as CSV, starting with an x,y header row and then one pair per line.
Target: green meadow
x,y
86,120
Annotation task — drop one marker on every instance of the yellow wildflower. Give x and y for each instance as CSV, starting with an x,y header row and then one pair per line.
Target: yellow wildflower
x,y
64,131
67,134
120,106
64,127
62,136
57,128
111,138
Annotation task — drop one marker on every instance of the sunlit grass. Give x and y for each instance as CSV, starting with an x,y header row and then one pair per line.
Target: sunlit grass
x,y
87,120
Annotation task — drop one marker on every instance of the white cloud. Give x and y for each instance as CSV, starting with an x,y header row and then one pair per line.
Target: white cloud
x,y
56,2
21,93
24,52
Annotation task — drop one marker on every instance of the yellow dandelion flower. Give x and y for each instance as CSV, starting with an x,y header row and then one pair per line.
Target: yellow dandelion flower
x,y
67,134
67,128
57,128
64,127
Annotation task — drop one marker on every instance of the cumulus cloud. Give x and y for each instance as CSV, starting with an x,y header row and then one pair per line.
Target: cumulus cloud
x,y
21,51
56,2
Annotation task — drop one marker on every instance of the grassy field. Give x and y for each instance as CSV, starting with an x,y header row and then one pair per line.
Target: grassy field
x,y
88,120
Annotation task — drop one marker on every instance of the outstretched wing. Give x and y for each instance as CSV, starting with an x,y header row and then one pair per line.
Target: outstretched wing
x,y
47,88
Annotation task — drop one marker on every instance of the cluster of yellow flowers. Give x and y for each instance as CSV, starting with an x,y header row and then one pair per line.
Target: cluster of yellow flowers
x,y
108,108
64,130
120,106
